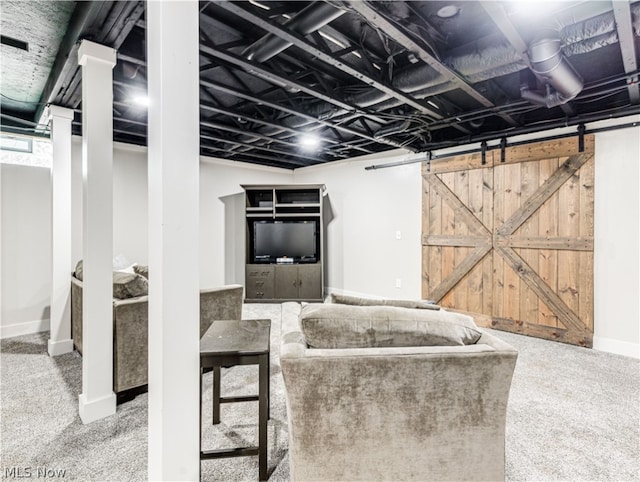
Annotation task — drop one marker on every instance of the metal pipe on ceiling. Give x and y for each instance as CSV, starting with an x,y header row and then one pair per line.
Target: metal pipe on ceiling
x,y
496,59
551,67
557,124
309,20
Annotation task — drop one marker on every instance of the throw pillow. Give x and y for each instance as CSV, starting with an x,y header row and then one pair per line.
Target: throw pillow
x,y
354,300
129,285
343,326
141,270
78,270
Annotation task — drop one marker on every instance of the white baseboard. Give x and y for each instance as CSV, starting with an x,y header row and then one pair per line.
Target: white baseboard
x,y
93,410
24,328
616,347
61,347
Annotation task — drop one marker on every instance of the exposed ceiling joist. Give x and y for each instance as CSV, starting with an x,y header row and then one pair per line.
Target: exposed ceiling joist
x,y
288,110
622,14
66,60
260,148
399,35
302,44
253,158
364,77
279,127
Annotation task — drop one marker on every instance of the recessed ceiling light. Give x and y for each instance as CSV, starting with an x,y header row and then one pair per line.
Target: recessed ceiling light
x,y
309,142
142,100
448,11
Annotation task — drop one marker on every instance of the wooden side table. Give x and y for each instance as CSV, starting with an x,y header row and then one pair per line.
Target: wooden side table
x,y
229,343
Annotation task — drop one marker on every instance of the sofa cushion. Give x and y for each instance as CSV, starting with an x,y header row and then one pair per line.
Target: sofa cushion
x,y
142,270
354,300
129,285
327,325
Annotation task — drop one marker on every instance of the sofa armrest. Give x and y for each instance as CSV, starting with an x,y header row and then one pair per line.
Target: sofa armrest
x,y
130,342
222,303
76,313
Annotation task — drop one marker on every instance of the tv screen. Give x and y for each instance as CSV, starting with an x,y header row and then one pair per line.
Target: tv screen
x,y
277,239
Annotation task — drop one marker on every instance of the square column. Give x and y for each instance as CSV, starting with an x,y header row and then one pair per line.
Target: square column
x,y
60,341
97,399
174,301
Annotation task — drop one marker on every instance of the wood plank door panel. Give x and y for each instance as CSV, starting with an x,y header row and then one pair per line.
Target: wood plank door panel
x,y
514,240
457,223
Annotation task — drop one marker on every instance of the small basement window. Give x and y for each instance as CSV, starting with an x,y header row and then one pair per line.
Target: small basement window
x,y
25,151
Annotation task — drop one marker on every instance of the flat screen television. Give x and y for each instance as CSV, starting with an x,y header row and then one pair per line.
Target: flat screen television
x,y
279,239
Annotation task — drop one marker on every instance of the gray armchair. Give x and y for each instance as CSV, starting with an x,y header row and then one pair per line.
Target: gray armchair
x,y
131,333
394,412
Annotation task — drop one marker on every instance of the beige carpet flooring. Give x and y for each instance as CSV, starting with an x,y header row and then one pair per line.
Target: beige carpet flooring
x,y
574,415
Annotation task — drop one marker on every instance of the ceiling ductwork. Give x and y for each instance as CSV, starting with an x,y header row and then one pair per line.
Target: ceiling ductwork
x,y
551,67
309,20
421,81
494,58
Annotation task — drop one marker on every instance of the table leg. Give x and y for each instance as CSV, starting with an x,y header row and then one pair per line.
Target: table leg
x,y
216,395
263,414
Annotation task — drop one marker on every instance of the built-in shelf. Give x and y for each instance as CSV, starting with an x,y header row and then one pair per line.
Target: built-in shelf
x,y
294,214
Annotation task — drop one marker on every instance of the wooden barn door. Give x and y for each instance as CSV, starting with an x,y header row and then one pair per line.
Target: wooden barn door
x,y
511,239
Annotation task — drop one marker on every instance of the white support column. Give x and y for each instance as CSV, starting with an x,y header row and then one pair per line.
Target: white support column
x,y
60,341
97,399
174,302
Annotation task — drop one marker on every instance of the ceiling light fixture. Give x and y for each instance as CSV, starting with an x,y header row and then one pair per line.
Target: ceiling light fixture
x,y
532,10
448,11
142,100
309,142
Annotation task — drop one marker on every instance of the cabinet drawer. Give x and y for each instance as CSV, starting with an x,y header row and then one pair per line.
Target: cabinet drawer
x,y
260,282
259,271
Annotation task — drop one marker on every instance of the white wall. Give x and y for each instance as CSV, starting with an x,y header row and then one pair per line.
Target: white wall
x,y
363,255
222,225
369,208
129,201
617,242
26,249
26,226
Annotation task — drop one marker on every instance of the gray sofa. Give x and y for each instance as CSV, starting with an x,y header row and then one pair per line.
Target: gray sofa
x,y
130,328
363,407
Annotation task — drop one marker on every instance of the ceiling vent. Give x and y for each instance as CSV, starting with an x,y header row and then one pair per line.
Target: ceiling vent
x,y
12,42
550,66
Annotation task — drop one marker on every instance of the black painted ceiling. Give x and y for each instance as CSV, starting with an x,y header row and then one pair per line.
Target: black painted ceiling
x,y
363,77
